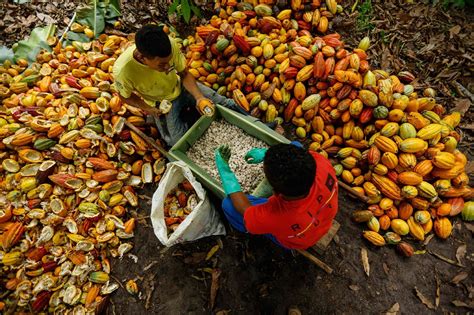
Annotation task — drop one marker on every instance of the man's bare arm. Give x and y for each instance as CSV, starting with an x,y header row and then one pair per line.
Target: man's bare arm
x,y
240,202
136,101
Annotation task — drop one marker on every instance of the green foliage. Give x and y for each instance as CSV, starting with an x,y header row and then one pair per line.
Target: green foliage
x,y
454,4
38,40
365,15
6,54
383,37
184,8
95,14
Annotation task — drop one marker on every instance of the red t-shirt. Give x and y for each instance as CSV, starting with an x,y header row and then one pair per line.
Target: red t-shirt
x,y
298,223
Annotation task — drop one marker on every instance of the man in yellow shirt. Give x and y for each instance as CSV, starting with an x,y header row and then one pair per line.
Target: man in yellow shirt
x,y
153,70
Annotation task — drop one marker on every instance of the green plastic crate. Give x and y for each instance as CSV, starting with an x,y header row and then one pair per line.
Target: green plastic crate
x,y
249,124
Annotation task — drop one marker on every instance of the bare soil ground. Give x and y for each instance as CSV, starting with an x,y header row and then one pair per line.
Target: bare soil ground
x,y
255,276
259,278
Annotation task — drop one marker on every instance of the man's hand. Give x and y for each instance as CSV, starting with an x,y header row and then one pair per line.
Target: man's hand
x,y
202,103
137,101
224,152
255,155
229,180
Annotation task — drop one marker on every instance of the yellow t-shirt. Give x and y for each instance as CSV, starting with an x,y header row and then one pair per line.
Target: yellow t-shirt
x,y
153,86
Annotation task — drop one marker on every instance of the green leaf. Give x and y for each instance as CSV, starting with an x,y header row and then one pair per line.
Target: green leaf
x,y
37,41
196,11
173,7
6,54
93,16
186,10
113,9
80,37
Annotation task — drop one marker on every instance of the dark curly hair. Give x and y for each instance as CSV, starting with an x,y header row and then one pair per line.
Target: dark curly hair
x,y
289,169
152,41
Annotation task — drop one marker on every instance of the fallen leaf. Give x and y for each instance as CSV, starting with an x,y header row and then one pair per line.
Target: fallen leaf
x,y
445,259
365,260
424,299
459,277
469,226
428,239
467,126
438,290
454,31
394,310
385,268
461,253
419,252
463,304
220,243
212,251
214,287
354,287
198,278
45,18
462,105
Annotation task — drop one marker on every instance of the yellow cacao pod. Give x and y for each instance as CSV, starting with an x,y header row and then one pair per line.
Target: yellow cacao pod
x,y
409,192
386,186
427,190
410,178
429,132
443,227
390,160
407,160
399,226
386,144
416,230
413,145
374,237
444,160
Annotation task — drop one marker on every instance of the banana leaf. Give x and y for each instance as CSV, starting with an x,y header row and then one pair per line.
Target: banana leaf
x,y
113,9
92,15
186,9
6,54
30,47
96,13
80,37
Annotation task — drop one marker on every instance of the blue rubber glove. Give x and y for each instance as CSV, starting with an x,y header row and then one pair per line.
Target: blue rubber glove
x,y
229,180
256,155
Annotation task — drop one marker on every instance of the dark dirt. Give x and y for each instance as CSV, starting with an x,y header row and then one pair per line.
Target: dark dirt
x,y
256,276
259,278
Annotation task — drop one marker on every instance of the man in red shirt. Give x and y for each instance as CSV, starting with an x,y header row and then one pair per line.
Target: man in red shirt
x,y
304,202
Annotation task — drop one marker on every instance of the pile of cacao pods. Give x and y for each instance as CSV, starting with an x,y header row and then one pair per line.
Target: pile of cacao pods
x,y
69,170
390,143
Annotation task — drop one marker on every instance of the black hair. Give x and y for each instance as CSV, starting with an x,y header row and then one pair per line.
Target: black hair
x,y
289,169
152,41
